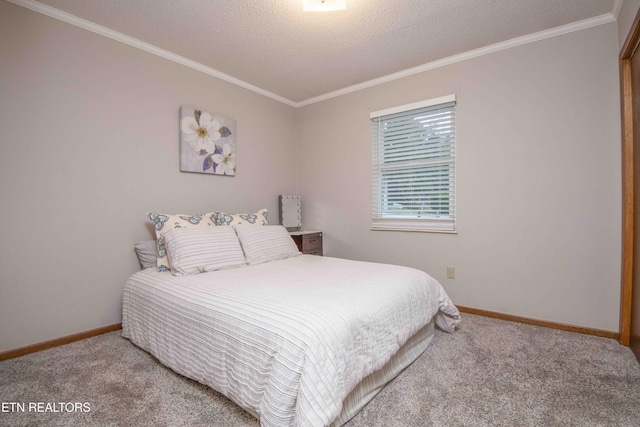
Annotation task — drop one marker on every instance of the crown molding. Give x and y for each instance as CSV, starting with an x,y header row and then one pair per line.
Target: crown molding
x,y
139,44
518,41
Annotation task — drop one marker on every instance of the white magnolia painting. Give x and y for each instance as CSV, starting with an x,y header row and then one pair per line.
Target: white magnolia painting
x,y
207,143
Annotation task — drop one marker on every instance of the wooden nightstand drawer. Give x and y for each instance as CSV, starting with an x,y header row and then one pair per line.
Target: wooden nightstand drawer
x,y
312,242
308,242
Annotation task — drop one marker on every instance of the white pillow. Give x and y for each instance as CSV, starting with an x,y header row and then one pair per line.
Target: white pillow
x,y
267,243
201,249
164,222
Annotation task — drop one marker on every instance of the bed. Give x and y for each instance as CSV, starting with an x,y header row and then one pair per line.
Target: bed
x,y
300,341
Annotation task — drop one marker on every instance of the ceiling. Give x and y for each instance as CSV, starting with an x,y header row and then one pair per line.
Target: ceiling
x,y
275,48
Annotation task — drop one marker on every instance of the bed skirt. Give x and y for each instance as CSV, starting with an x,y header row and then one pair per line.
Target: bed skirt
x,y
371,385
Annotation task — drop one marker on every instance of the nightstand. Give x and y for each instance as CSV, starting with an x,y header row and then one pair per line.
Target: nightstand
x,y
309,242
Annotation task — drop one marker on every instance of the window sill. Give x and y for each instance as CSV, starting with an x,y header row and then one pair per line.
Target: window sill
x,y
421,225
414,230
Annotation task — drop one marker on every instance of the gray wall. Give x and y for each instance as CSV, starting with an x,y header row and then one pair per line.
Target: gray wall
x,y
539,179
89,143
627,14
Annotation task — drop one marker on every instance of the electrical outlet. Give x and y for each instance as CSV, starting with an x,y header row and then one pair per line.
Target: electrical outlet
x,y
451,272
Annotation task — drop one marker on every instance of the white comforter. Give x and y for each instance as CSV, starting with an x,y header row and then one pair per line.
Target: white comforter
x,y
286,340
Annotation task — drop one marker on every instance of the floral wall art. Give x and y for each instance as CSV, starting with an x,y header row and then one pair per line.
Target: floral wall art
x,y
207,143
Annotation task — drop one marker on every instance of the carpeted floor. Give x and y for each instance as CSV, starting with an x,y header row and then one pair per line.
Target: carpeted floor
x,y
489,373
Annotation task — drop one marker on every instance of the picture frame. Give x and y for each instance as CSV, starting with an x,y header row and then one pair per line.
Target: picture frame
x,y
207,143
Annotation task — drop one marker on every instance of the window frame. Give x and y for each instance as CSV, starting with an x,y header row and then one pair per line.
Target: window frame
x,y
384,220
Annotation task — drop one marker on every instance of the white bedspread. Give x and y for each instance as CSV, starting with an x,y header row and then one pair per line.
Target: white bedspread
x,y
286,340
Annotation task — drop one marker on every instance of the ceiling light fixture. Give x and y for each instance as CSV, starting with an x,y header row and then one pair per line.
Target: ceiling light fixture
x,y
323,5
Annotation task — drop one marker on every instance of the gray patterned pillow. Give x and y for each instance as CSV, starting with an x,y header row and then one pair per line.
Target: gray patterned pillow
x,y
259,218
165,222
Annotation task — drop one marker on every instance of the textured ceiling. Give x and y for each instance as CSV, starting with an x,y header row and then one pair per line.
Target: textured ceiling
x,y
275,46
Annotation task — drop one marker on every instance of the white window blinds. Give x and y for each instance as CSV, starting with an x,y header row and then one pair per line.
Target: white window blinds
x,y
413,179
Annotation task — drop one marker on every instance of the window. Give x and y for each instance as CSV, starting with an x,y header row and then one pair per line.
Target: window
x,y
414,166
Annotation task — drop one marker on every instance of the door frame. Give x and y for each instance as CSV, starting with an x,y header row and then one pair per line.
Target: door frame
x,y
628,186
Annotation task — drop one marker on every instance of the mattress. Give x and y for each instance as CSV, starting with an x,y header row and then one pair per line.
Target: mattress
x,y
290,341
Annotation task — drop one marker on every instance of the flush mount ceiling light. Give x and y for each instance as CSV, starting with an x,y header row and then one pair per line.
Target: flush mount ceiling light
x,y
323,5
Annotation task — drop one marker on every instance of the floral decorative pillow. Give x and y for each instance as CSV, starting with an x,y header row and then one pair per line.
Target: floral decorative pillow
x,y
165,222
259,218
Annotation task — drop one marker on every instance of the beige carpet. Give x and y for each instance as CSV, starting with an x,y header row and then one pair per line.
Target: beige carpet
x,y
489,373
